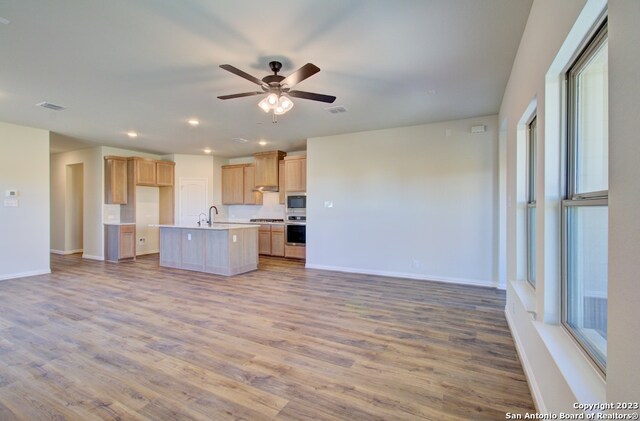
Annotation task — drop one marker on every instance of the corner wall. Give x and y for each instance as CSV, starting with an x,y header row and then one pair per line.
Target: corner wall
x,y
24,230
417,202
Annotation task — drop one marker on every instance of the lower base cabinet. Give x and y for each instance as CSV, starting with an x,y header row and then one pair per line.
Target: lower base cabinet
x,y
120,242
271,240
295,252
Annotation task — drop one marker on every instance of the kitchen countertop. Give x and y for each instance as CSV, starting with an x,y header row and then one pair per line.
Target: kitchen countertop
x,y
119,223
244,221
216,226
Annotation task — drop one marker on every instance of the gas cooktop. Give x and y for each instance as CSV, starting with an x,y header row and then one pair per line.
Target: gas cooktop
x,y
266,220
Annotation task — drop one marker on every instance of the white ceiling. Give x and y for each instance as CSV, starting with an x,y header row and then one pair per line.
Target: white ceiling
x,y
149,65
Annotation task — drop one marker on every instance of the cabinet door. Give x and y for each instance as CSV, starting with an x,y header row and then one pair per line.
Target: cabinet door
x,y
145,172
251,197
277,240
295,172
127,241
264,239
164,173
116,181
232,185
281,182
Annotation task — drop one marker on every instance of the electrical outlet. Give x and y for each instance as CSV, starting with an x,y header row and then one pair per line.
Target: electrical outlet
x,y
235,238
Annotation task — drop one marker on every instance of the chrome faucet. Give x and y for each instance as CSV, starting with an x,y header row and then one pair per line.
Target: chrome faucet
x,y
210,221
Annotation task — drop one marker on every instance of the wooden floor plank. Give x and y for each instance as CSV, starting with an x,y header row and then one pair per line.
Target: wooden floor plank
x,y
134,341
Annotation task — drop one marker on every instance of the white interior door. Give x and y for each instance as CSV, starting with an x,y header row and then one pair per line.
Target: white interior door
x,y
193,199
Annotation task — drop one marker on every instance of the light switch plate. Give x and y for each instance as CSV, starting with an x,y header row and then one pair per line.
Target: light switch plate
x,y
11,193
11,203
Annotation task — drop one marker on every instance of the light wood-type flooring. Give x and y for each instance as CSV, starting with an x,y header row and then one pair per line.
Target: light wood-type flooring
x,y
96,340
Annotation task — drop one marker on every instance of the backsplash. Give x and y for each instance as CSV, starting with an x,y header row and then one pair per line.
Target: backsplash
x,y
270,208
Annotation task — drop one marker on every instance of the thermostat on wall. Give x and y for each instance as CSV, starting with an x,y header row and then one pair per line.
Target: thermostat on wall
x,y
11,193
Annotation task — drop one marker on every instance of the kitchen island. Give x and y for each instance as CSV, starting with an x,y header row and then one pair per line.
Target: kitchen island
x,y
221,249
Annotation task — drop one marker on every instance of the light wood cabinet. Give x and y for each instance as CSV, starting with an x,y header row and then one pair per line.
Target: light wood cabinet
x,y
153,173
267,167
251,197
115,175
120,242
264,239
145,170
295,173
165,173
233,184
277,240
271,240
295,252
281,182
238,184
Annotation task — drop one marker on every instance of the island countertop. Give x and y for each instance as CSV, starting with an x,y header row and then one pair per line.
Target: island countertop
x,y
215,226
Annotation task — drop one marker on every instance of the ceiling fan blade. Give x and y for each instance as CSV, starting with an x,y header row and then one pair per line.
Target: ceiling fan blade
x,y
310,95
236,71
301,74
239,95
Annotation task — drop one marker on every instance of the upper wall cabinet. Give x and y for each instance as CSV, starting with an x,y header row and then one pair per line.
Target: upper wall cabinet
x,y
267,168
238,182
295,173
153,173
115,171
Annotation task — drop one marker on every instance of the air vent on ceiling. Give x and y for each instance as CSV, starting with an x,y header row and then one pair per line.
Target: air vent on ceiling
x,y
337,109
51,106
239,140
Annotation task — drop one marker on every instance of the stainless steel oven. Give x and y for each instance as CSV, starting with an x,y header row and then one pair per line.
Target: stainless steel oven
x,y
296,231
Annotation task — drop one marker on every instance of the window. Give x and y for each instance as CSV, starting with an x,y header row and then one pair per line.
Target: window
x,y
532,143
585,206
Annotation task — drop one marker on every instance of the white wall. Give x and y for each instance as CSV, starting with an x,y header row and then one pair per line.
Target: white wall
x,y
93,198
559,373
24,230
74,203
417,202
623,372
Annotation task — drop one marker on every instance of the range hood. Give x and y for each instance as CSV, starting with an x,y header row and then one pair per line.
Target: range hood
x,y
267,173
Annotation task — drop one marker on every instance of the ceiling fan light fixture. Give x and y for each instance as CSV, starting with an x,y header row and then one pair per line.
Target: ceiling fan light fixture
x,y
264,104
272,100
284,105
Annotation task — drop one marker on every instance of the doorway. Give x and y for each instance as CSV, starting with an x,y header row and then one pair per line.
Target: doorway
x,y
192,200
74,209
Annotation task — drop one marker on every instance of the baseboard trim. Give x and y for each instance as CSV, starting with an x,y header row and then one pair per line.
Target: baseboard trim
x,y
534,388
147,252
24,274
91,257
63,252
421,277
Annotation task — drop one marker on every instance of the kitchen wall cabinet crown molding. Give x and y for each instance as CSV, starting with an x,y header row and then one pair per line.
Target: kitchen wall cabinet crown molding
x,y
295,173
267,168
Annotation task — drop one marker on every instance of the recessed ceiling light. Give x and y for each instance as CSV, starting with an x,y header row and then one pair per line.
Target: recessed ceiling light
x,y
206,150
431,92
4,21
239,140
132,134
262,143
193,122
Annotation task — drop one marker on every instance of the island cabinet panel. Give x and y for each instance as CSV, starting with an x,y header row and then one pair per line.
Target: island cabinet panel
x,y
219,250
170,248
193,249
216,256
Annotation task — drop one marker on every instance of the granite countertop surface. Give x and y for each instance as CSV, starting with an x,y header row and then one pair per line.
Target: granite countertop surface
x,y
218,226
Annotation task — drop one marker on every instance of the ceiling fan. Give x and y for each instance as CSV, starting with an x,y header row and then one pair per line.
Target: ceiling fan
x,y
278,87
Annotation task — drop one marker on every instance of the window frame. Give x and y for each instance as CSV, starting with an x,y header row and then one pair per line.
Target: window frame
x,y
531,171
573,198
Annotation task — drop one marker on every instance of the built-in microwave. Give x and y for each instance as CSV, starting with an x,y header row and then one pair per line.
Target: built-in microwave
x,y
296,202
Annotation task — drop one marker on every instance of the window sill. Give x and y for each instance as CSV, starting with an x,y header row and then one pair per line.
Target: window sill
x,y
584,379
